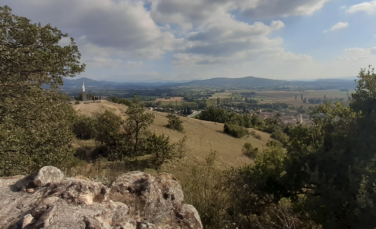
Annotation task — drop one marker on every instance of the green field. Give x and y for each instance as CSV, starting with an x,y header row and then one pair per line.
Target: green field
x,y
143,97
289,96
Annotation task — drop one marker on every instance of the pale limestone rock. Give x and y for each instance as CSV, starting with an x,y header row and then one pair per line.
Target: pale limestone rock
x,y
48,174
135,200
27,219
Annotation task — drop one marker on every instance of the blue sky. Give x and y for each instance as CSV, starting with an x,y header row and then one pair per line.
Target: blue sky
x,y
174,40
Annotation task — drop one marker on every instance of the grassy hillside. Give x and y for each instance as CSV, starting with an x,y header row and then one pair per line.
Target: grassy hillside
x,y
202,136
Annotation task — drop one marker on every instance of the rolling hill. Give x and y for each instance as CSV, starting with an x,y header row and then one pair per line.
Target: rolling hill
x,y
203,136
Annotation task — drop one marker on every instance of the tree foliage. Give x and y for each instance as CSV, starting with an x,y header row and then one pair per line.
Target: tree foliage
x,y
85,127
136,124
175,123
328,172
35,123
161,149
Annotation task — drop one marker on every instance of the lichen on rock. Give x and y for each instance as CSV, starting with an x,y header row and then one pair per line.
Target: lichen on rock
x,y
134,200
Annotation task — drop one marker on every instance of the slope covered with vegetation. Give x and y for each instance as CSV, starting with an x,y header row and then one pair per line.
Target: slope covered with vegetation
x,y
324,177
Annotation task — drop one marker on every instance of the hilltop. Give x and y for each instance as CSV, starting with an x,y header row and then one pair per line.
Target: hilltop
x,y
203,136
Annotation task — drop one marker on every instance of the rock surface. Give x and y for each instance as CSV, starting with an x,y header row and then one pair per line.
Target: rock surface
x,y
134,200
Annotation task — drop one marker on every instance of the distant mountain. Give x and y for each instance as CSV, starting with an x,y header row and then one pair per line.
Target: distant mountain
x,y
248,81
244,82
90,83
252,82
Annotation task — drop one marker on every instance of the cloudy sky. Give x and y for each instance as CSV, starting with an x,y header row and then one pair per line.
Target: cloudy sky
x,y
153,40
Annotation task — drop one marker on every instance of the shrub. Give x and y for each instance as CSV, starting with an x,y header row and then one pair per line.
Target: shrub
x,y
273,144
249,150
254,134
181,147
160,147
235,131
77,102
84,127
119,100
280,136
175,123
108,124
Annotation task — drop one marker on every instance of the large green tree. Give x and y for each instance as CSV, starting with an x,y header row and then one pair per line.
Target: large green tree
x,y
328,170
335,160
35,123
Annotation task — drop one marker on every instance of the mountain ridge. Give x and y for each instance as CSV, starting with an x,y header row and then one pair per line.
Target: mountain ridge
x,y
219,82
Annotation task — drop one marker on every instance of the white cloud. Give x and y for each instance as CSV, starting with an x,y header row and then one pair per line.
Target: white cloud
x,y
339,25
188,13
275,8
122,38
134,64
369,7
102,62
351,54
122,25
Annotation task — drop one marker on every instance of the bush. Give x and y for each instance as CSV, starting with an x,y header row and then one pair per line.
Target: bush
x,y
77,102
254,134
84,127
108,124
160,147
175,123
235,131
249,150
273,144
181,147
119,100
280,136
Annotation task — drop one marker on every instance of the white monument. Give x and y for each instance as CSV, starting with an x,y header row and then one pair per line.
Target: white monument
x,y
84,97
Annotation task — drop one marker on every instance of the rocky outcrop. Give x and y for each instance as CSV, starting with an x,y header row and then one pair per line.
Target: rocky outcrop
x,y
135,200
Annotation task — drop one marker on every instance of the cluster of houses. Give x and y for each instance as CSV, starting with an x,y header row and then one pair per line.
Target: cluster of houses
x,y
287,117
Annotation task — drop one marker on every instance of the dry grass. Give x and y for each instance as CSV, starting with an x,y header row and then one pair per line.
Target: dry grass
x,y
91,108
203,136
172,99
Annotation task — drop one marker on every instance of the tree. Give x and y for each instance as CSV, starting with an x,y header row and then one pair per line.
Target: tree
x,y
138,120
301,97
335,159
107,126
296,96
85,127
35,122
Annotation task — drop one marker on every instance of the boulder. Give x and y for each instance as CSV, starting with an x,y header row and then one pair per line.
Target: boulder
x,y
134,200
48,174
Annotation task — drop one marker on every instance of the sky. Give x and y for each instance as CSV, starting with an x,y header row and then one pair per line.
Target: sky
x,y
181,40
